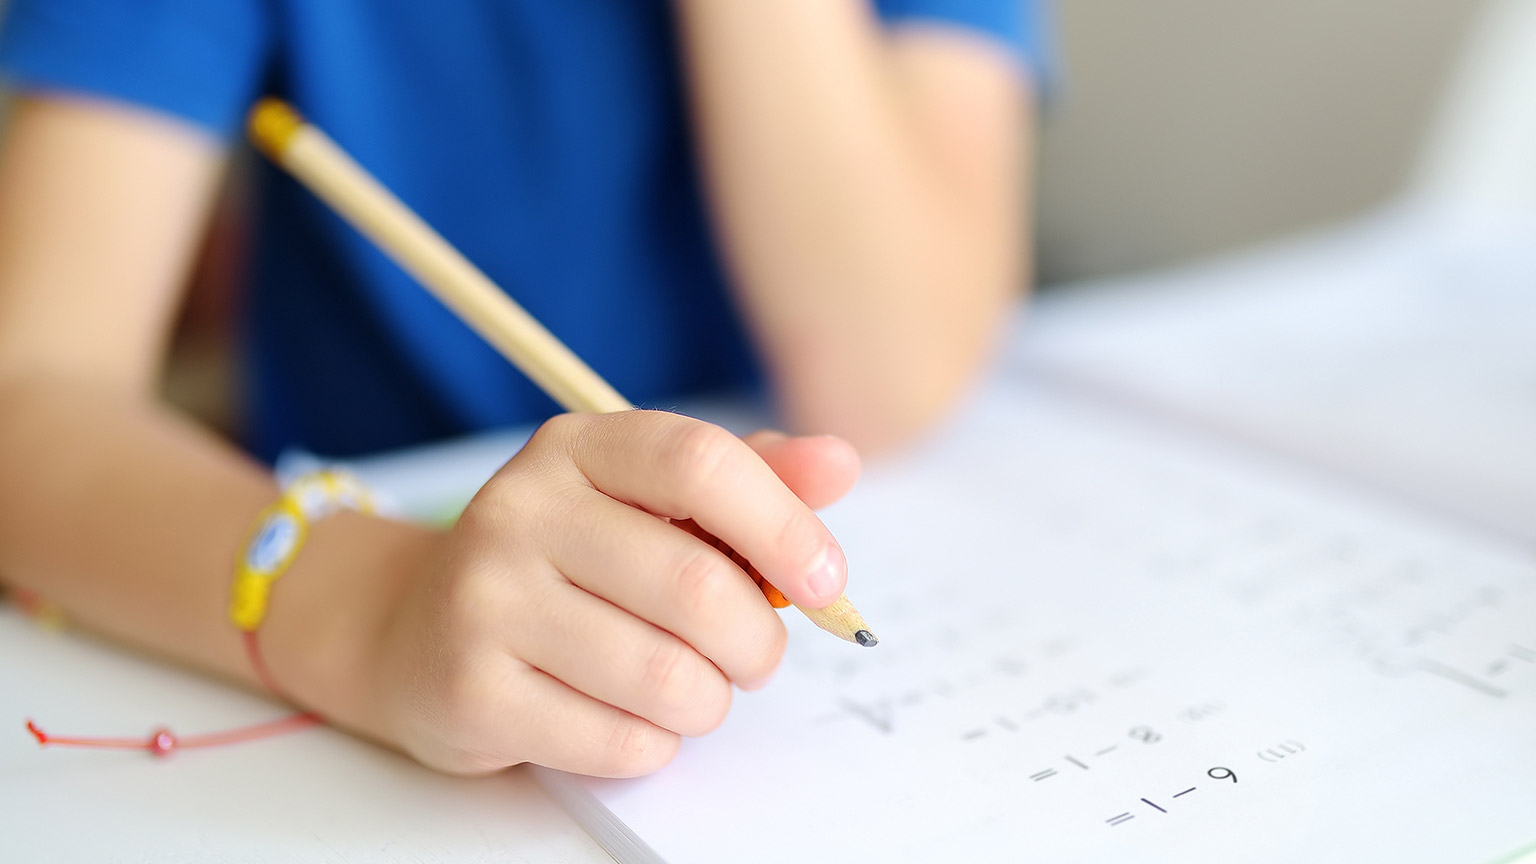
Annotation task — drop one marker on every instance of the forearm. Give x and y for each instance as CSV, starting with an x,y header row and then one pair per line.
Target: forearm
x,y
131,520
873,257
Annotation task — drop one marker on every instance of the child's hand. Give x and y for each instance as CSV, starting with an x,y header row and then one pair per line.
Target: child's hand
x,y
568,625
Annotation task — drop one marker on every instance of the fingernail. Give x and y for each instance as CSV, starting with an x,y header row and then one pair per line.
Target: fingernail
x,y
828,573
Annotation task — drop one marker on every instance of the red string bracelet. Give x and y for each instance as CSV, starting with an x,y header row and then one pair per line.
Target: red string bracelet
x,y
276,537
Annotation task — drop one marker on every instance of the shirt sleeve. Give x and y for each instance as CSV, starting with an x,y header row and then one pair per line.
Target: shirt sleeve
x,y
1023,26
200,60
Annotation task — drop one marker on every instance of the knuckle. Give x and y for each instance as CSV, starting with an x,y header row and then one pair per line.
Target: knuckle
x,y
486,515
636,747
498,511
699,456
522,481
666,672
521,511
558,430
702,580
695,703
552,444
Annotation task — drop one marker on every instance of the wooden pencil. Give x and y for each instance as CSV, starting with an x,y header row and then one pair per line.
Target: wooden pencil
x,y
335,177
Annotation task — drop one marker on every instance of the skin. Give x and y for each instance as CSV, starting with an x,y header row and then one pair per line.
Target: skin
x,y
866,192
867,186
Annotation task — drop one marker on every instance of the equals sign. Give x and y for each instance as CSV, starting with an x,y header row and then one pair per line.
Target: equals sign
x,y
1116,820
1049,772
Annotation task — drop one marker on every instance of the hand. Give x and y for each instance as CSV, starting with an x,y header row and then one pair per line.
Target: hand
x,y
569,624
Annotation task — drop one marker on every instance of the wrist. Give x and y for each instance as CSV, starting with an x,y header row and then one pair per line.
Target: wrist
x,y
329,613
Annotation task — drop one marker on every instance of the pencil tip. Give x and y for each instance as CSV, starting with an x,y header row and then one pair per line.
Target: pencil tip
x,y
866,638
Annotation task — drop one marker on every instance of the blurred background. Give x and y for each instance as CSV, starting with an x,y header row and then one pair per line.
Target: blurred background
x,y
1182,128
1187,127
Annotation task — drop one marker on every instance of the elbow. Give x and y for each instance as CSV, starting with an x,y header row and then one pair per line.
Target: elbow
x,y
888,399
887,414
884,427
887,366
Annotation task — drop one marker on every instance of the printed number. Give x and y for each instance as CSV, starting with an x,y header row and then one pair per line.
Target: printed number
x,y
1196,713
1222,774
1145,734
1066,703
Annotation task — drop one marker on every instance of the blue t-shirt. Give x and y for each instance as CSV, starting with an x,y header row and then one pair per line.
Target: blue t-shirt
x,y
547,139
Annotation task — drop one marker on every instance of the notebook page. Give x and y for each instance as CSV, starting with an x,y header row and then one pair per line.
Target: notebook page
x,y
1400,350
1104,640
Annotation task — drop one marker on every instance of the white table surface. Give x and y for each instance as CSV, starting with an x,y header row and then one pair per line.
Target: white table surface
x,y
318,795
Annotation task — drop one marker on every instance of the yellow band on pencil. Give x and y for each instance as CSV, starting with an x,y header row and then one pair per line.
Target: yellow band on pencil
x,y
273,126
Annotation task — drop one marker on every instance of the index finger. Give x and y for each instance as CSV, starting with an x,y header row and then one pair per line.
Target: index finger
x,y
684,468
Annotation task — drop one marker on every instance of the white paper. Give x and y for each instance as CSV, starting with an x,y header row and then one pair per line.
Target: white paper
x,y
1089,625
1399,352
